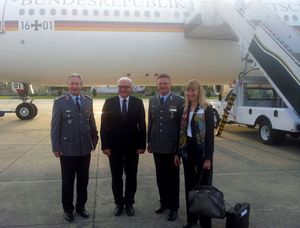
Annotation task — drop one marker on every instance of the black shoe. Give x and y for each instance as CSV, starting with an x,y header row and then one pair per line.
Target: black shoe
x,y
69,217
172,215
160,209
83,213
118,210
130,210
187,225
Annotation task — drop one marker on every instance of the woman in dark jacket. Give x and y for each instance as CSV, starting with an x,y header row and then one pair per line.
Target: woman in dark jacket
x,y
196,145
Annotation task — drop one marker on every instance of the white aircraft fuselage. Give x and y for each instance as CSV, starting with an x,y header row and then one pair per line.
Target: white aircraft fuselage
x,y
43,41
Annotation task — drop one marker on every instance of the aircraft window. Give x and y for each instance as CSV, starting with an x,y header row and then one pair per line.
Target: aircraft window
x,y
74,12
21,12
147,14
85,12
106,13
63,12
127,13
295,18
42,11
96,12
52,12
176,14
31,11
136,13
157,14
286,17
117,13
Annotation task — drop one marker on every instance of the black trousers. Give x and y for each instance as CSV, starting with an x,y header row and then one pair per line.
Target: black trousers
x,y
70,167
167,178
192,173
124,162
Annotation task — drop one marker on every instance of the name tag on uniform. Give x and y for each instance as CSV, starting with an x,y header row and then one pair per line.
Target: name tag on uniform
x,y
200,111
173,109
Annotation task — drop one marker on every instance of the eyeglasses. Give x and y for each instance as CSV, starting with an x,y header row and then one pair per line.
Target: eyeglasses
x,y
124,87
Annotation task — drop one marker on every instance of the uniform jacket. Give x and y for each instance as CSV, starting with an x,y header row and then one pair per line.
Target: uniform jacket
x,y
73,133
164,123
202,125
118,134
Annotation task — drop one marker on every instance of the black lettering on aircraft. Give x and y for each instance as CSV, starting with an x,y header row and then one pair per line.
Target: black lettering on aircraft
x,y
36,25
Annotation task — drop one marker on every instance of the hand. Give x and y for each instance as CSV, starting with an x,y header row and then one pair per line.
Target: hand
x,y
107,152
207,164
149,148
58,154
140,151
177,160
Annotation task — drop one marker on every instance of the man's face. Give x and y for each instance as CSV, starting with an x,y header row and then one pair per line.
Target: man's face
x,y
124,88
163,86
74,85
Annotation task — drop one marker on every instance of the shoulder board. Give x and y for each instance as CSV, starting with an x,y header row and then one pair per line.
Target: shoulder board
x,y
59,98
86,96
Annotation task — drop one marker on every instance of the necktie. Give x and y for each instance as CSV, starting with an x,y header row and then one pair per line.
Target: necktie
x,y
77,103
162,100
124,108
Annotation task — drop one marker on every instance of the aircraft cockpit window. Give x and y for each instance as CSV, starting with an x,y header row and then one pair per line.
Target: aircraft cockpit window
x,y
295,18
96,12
157,14
147,14
106,13
21,12
85,12
136,13
126,13
53,12
117,13
63,12
74,12
31,12
42,12
286,17
176,15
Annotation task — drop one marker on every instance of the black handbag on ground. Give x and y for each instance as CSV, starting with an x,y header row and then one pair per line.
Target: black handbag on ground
x,y
238,216
207,200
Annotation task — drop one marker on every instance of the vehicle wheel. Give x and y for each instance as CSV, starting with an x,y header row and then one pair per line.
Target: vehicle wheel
x,y
216,118
268,135
25,111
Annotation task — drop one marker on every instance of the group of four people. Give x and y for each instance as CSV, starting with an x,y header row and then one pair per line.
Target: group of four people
x,y
178,130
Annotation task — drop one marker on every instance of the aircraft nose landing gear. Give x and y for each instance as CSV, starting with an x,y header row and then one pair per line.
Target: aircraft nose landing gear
x,y
26,111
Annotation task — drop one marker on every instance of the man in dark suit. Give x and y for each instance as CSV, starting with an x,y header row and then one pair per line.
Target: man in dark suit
x,y
123,138
74,134
165,110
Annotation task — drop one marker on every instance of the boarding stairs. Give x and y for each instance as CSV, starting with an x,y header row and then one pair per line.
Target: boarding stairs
x,y
264,38
273,45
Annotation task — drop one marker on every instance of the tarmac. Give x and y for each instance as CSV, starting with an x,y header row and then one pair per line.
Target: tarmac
x,y
245,170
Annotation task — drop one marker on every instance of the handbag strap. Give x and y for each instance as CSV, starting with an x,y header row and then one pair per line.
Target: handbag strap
x,y
209,176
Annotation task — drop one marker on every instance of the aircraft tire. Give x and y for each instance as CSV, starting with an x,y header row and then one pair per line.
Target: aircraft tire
x,y
25,111
35,110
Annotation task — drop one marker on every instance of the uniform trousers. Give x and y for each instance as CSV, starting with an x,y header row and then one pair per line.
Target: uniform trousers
x,y
125,161
167,178
70,167
192,173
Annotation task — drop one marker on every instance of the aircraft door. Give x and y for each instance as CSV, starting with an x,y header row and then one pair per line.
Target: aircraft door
x,y
2,13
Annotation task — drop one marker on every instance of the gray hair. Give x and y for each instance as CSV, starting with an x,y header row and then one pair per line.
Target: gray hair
x,y
124,79
75,75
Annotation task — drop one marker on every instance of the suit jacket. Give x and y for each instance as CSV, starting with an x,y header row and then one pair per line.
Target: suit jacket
x,y
73,133
119,134
164,123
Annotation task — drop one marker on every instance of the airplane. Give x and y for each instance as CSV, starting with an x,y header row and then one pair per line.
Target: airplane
x,y
43,41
